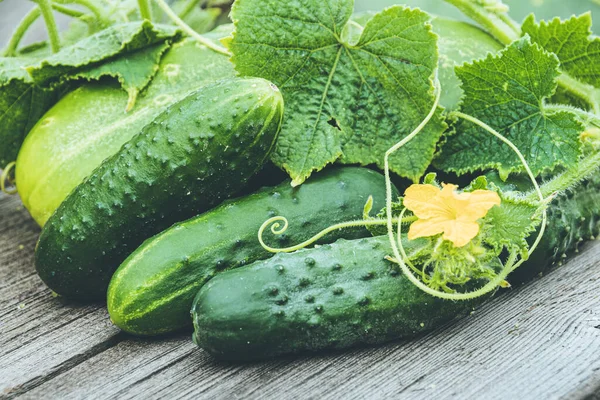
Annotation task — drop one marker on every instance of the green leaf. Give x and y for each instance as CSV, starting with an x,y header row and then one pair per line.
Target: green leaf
x,y
572,42
133,72
507,91
118,40
22,103
343,101
510,224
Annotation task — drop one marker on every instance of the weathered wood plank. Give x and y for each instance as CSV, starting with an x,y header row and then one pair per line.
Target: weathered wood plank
x,y
538,341
39,334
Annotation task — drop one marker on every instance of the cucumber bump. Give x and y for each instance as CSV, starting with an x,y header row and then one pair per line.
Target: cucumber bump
x,y
198,152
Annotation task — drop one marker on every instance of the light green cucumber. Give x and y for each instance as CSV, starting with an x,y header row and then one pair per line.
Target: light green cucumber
x,y
90,124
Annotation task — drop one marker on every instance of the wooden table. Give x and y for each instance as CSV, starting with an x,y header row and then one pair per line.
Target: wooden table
x,y
540,341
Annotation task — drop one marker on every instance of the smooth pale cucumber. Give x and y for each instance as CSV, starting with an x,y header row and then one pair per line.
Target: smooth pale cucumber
x,y
346,294
152,291
197,153
89,125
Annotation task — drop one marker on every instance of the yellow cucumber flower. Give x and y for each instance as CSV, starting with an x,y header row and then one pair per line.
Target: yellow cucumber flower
x,y
447,211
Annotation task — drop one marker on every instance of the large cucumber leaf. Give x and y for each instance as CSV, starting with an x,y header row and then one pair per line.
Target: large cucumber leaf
x,y
116,41
348,97
507,91
572,42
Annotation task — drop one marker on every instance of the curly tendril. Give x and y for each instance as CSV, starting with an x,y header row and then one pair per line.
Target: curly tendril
x,y
399,254
5,177
278,229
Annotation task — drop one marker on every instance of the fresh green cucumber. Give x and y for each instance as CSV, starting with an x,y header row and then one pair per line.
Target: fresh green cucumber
x,y
152,291
334,296
346,294
89,125
193,156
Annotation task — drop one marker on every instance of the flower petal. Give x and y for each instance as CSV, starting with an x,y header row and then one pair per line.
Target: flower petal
x,y
420,200
460,232
480,202
425,228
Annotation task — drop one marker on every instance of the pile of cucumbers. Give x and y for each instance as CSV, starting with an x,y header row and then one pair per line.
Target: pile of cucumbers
x,y
120,231
159,212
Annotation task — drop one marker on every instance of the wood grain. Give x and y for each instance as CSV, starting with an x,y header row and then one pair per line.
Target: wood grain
x,y
540,341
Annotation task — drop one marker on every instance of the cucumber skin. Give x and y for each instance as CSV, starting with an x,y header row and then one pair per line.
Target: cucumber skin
x,y
334,296
152,291
197,153
378,303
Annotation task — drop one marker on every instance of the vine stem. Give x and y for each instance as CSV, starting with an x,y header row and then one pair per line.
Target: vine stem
x,y
585,92
500,25
585,116
48,15
584,169
145,9
94,9
187,29
277,229
68,11
21,30
188,8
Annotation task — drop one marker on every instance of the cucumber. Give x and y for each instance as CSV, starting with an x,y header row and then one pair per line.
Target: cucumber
x,y
334,296
152,291
346,294
193,156
89,125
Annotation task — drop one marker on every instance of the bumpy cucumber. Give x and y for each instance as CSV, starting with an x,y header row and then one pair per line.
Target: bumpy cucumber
x,y
152,291
346,294
89,125
193,156
334,296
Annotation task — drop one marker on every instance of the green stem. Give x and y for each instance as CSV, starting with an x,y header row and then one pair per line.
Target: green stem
x,y
90,6
22,28
583,169
68,11
188,8
186,28
500,25
47,13
587,93
586,117
145,9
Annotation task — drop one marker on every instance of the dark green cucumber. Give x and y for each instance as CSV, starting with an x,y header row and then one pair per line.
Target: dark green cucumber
x,y
346,294
152,291
194,155
334,296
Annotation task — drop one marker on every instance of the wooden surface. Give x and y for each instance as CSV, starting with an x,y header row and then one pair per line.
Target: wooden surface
x,y
540,341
